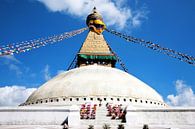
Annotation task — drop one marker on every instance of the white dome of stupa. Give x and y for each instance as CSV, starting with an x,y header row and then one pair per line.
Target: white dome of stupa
x,y
92,83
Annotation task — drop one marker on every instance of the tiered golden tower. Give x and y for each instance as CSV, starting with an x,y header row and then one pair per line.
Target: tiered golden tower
x,y
95,49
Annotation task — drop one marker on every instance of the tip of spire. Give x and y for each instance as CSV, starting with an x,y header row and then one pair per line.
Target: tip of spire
x,y
94,10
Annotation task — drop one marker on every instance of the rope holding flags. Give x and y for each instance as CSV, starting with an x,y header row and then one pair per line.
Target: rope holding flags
x,y
25,46
119,60
170,52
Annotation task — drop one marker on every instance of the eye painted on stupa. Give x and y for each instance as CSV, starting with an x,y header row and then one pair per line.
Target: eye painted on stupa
x,y
95,22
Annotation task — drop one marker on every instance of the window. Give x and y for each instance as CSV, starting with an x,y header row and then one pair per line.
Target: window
x,y
84,99
111,98
104,99
51,100
77,99
118,99
154,102
141,101
64,99
124,99
146,101
91,99
46,101
98,99
151,102
130,100
135,100
70,99
36,102
57,100
32,103
41,101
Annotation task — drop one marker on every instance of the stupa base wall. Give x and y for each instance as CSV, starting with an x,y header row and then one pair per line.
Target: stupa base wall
x,y
37,115
171,117
182,118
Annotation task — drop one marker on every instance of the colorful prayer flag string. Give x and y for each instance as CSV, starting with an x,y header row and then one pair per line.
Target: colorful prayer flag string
x,y
170,52
25,46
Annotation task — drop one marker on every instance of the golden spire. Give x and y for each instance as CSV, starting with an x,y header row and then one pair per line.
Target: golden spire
x,y
96,50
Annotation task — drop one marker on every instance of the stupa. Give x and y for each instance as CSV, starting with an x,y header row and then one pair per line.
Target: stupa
x,y
95,79
95,92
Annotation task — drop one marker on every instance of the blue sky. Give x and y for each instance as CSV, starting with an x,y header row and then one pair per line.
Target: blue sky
x,y
168,23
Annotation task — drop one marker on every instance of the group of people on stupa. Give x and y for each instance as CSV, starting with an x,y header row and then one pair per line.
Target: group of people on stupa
x,y
88,111
116,111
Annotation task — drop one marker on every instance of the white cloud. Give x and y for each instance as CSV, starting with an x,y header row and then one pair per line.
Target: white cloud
x,y
115,12
46,72
184,96
137,19
60,71
13,64
14,95
11,58
15,68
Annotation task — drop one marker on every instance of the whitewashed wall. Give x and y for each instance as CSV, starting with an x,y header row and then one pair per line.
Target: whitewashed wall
x,y
37,115
169,116
27,115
